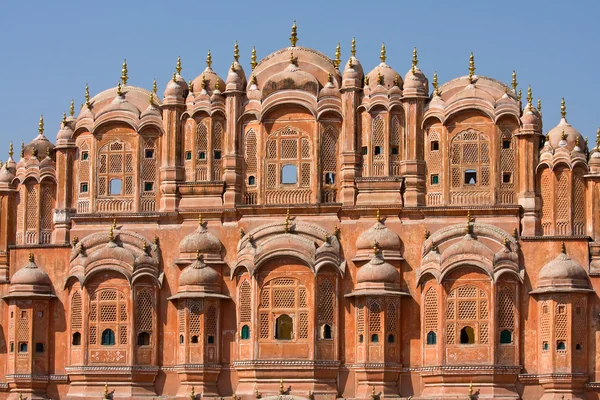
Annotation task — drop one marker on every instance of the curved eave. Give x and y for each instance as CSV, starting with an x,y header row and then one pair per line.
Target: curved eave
x,y
27,295
376,292
198,295
287,97
560,290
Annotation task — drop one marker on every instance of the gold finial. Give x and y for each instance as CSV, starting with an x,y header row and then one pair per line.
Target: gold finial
x,y
563,109
336,231
329,78
124,77
373,394
10,150
242,233
471,66
200,222
111,233
366,80
415,61
41,125
198,254
87,96
350,63
598,139
294,36
382,55
514,83
217,85
563,135
119,89
378,216
257,394
529,96
379,78
435,84
353,48
64,119
253,58
520,95
397,80
203,82
236,52
48,151
292,57
287,221
252,79
563,248
191,85
576,141
22,149
154,87
326,237
470,390
338,55
151,98
174,79
20,396
427,234
515,233
178,66
281,389
208,60
30,257
72,108
233,66
75,240
540,105
468,227
192,394
106,395
375,248
114,223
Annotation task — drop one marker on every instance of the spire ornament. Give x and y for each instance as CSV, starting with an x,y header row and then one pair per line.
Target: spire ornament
x,y
124,77
281,389
529,96
22,149
598,139
10,149
72,108
178,66
64,119
253,63
540,105
375,248
154,87
514,83
353,48
519,95
41,126
87,96
436,90
563,248
379,78
236,52
338,55
471,67
287,221
119,89
208,60
378,216
563,109
382,55
415,61
294,35
174,79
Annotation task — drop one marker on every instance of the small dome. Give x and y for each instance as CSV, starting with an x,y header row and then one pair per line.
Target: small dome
x,y
198,274
385,76
329,90
468,245
416,82
376,271
236,78
112,251
201,241
38,146
174,89
291,78
119,103
208,79
387,241
30,280
564,135
47,162
505,255
353,66
6,176
562,275
530,117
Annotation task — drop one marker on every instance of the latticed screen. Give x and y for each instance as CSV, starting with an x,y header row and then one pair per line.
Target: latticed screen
x,y
506,308
396,146
288,166
284,297
23,326
108,310
561,322
329,152
391,319
433,153
211,319
431,311
563,210
20,200
76,312
115,169
149,172
83,175
579,324
578,203
374,317
470,168
245,302
378,146
507,168
202,152
547,192
145,310
217,147
545,324
467,316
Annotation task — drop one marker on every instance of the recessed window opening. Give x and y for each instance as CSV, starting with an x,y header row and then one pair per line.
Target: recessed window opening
x,y
545,346
431,337
217,155
289,174
85,155
12,347
506,144
149,153
365,150
506,337
374,338
394,150
83,187
578,346
329,178
116,186
245,332
210,339
506,177
284,327
435,179
391,338
148,186
188,155
467,335
361,338
378,150
251,180
23,347
560,345
435,145
562,309
39,347
201,155
76,341
181,339
470,177
143,339
326,332
194,339
108,337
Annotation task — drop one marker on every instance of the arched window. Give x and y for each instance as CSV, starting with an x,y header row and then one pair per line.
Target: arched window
x,y
395,143
431,338
149,175
325,312
115,172
108,308
560,345
545,346
378,143
143,339
326,331
217,148
375,338
108,337
201,149
181,339
431,314
245,332
194,339
23,348
391,338
289,174
507,167
506,336
374,320
284,327
547,195
470,168
76,339
467,335
329,154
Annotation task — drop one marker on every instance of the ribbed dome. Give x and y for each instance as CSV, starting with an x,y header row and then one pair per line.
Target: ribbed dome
x,y
530,117
562,275
565,136
208,80
5,175
376,271
30,281
384,75
353,66
198,274
38,146
416,82
380,234
468,245
291,78
174,90
202,241
329,90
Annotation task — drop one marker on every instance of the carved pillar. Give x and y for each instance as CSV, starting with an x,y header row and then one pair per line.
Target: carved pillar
x,y
171,166
351,88
232,159
413,167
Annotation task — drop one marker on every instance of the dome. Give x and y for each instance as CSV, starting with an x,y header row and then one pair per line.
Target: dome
x,y
200,241
174,89
236,78
65,132
564,135
468,245
30,280
40,145
329,90
353,66
530,117
416,82
291,78
112,251
199,274
119,103
6,176
383,75
208,79
387,241
562,275
47,162
376,271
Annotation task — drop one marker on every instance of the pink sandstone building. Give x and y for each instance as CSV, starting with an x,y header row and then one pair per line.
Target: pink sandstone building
x,y
307,230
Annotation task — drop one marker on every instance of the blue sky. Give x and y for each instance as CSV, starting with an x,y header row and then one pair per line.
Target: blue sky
x,y
49,50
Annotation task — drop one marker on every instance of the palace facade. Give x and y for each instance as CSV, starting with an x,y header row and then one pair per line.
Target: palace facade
x,y
305,231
